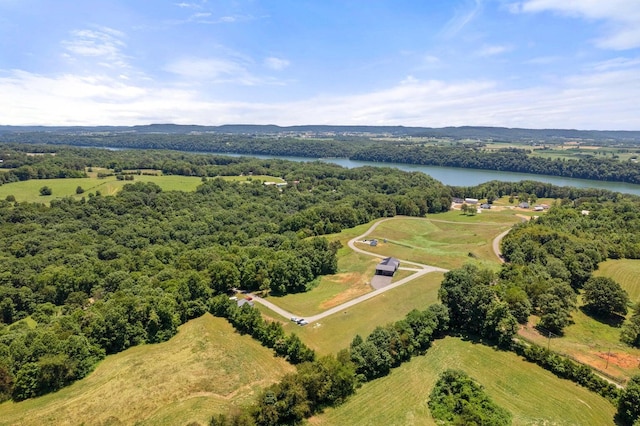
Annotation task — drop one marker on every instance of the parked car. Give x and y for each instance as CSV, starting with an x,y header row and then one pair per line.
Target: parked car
x,y
295,319
302,321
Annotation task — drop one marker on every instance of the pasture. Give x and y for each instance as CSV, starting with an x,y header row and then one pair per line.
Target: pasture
x,y
533,395
591,342
29,190
206,368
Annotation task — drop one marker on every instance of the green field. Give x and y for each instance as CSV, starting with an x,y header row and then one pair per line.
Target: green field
x,y
533,395
206,368
335,332
447,241
29,190
625,272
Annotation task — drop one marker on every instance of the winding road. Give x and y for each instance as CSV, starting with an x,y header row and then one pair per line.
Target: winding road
x,y
419,268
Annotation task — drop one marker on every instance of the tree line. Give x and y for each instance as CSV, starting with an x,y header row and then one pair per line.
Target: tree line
x,y
361,148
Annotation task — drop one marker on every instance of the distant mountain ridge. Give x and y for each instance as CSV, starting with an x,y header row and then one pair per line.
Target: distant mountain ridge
x,y
463,132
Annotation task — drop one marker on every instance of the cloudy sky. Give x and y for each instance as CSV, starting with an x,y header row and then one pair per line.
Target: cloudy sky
x,y
513,63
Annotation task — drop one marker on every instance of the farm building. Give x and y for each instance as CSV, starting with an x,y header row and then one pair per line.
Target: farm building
x,y
388,266
523,205
373,243
471,200
486,206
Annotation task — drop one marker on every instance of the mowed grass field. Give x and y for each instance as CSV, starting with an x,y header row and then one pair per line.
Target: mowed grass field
x,y
625,272
206,368
336,332
29,190
448,240
533,395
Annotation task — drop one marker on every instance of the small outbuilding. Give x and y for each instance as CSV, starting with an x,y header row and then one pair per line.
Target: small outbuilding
x,y
523,205
486,206
373,243
471,200
388,266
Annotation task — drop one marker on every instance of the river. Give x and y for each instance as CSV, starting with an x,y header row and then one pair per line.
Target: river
x,y
466,177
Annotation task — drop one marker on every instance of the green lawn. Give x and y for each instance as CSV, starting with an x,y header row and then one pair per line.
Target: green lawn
x,y
625,272
335,332
206,368
29,190
533,395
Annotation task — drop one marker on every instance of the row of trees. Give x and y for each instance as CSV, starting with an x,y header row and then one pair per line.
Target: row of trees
x,y
247,320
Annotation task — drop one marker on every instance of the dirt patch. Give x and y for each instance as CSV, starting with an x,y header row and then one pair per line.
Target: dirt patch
x,y
524,217
345,296
345,278
620,359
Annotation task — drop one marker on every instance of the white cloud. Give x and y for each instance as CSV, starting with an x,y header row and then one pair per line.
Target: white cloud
x,y
277,64
603,97
214,70
493,50
621,17
462,17
104,44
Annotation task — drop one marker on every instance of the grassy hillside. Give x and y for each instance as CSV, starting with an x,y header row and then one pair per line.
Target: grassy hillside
x,y
594,342
29,190
533,395
624,271
446,240
206,368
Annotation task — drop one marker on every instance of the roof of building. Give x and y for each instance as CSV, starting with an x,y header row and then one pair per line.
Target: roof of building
x,y
388,264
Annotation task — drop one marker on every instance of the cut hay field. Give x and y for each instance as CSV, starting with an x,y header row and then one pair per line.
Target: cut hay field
x,y
447,241
29,190
206,368
533,395
625,272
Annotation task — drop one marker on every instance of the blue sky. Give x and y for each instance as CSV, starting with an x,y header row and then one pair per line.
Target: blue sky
x,y
513,63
